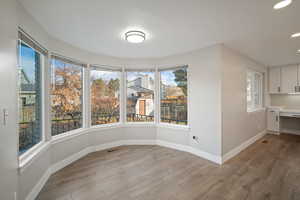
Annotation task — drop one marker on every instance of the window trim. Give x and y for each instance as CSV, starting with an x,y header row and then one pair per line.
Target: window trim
x,y
170,125
261,107
84,101
125,96
89,99
44,58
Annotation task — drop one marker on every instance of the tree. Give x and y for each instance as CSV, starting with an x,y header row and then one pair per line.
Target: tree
x,y
67,91
181,79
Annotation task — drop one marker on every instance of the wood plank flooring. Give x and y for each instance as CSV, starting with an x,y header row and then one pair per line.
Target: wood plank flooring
x,y
266,170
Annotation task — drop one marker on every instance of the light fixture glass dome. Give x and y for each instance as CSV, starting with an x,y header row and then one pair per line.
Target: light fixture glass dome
x,y
135,36
282,4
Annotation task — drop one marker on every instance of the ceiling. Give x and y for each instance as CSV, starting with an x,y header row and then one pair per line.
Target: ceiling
x,y
173,26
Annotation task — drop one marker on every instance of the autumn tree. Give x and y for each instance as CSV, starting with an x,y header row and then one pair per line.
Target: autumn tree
x,y
67,91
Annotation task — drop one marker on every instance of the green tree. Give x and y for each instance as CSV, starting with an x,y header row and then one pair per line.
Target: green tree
x,y
181,79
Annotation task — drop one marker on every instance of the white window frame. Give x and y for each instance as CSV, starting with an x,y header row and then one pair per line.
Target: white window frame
x,y
169,125
89,99
27,156
125,122
255,107
85,118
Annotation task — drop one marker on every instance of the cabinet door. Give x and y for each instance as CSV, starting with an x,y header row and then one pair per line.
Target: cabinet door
x,y
274,80
289,79
273,121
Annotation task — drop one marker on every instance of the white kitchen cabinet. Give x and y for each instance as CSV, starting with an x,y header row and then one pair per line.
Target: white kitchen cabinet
x,y
275,80
289,79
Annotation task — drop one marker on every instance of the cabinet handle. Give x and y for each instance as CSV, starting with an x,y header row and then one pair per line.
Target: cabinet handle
x,y
276,118
278,89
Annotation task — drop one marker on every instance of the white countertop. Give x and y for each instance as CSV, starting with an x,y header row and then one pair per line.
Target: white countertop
x,y
290,110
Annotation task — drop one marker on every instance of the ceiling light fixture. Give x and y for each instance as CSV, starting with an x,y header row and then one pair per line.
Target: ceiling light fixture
x,y
295,35
135,36
298,51
282,4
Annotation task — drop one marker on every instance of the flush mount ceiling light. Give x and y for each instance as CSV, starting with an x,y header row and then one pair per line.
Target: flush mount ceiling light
x,y
135,36
295,35
282,4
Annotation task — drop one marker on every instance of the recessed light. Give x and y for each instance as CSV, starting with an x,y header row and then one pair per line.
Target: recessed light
x,y
295,35
135,36
282,4
298,51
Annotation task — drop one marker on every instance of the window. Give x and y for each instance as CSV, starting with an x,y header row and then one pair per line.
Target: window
x,y
173,96
105,95
29,94
254,91
140,96
66,95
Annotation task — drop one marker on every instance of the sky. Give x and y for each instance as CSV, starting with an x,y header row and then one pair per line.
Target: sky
x,y
27,61
168,78
105,75
133,75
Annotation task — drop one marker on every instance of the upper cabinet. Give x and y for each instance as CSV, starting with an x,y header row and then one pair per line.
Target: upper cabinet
x,y
289,79
275,80
284,79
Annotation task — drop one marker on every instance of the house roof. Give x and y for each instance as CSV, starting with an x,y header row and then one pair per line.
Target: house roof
x,y
141,89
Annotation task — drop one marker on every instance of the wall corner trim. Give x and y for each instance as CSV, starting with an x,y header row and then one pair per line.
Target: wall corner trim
x,y
243,146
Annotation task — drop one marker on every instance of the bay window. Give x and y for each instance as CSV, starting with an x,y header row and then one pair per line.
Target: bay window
x,y
140,86
105,95
173,96
66,95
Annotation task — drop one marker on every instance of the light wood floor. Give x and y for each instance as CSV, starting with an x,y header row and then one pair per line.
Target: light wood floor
x,y
263,171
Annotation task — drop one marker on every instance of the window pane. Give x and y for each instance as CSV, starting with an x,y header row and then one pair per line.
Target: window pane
x,y
140,96
249,90
105,96
257,89
30,114
173,96
66,96
254,90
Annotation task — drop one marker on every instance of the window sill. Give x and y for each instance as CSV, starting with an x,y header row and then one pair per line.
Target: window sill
x,y
69,135
138,124
256,110
28,157
105,126
174,126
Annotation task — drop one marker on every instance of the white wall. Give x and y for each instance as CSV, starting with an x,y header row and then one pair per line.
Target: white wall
x,y
238,125
8,100
204,100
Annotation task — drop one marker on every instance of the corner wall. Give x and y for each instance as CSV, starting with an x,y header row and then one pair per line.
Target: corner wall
x,y
238,125
8,100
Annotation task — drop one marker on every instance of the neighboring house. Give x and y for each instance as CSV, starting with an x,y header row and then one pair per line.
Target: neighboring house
x,y
27,98
140,95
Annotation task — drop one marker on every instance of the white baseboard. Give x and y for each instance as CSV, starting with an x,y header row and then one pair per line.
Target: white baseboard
x,y
39,186
216,159
243,146
59,165
189,149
